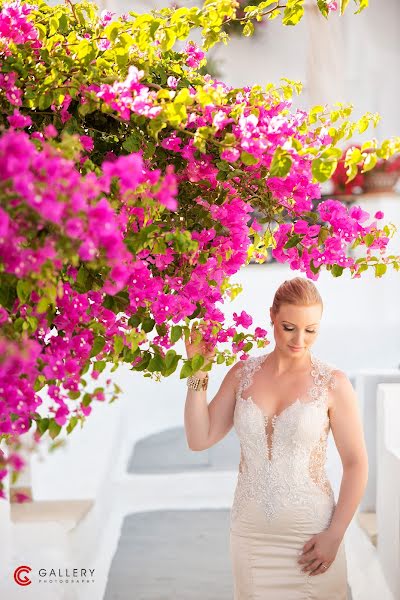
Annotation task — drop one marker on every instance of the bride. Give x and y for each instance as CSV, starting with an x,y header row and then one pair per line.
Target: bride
x,y
286,529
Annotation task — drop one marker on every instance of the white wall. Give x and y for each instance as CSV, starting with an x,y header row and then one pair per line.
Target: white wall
x,y
388,497
356,58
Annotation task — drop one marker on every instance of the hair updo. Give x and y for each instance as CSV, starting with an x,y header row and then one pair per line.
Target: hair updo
x,y
299,291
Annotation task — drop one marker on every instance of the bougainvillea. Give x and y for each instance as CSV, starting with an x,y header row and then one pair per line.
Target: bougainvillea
x,y
129,184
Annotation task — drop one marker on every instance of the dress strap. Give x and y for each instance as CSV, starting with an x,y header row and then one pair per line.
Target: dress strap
x,y
323,376
246,372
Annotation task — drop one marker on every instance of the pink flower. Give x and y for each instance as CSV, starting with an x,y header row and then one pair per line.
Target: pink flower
x,y
105,17
194,55
18,120
16,461
172,82
332,5
87,142
50,131
260,333
86,409
243,319
379,215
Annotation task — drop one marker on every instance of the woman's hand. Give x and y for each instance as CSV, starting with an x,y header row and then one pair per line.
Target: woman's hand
x,y
196,345
320,549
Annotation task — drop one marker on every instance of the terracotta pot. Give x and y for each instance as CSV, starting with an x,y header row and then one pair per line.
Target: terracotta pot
x,y
380,181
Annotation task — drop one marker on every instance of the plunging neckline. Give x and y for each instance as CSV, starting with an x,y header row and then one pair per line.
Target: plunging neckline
x,y
276,416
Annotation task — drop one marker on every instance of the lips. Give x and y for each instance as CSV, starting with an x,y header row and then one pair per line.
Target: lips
x,y
294,348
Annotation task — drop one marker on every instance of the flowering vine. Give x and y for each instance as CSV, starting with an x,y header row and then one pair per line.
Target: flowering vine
x,y
128,185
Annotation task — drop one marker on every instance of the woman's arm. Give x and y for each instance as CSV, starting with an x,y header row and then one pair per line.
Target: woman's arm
x,y
348,434
206,424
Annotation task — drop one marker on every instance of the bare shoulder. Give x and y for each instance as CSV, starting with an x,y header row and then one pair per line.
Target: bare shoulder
x,y
340,380
235,370
341,389
234,375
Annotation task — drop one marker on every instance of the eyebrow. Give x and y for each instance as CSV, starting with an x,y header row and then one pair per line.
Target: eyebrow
x,y
295,323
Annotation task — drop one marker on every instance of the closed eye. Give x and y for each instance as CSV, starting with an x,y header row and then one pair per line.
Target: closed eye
x,y
292,328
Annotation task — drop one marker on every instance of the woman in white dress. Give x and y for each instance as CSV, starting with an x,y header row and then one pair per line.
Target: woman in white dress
x,y
286,531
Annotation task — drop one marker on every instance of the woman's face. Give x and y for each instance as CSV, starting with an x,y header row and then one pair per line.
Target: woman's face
x,y
296,327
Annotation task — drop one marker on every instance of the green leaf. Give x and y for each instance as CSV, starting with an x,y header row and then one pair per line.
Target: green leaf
x,y
24,289
156,363
369,162
293,12
380,269
118,344
322,170
170,358
369,239
197,362
98,345
132,143
168,39
72,424
281,163
343,5
176,333
248,29
148,324
248,159
337,270
45,100
43,425
42,305
293,241
54,429
186,370
87,399
323,7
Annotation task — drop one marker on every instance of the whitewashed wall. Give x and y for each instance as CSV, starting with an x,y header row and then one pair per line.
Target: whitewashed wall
x,y
388,497
354,60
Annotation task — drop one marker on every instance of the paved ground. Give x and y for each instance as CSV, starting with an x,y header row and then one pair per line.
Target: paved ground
x,y
172,555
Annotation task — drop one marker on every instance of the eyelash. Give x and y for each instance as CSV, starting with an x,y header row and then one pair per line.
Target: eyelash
x,y
288,329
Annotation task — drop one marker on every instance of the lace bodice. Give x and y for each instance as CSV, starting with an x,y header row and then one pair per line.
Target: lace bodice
x,y
283,456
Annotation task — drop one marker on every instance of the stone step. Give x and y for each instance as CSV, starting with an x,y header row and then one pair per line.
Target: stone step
x,y
66,513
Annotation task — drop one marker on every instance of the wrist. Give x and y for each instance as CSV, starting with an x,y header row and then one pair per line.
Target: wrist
x,y
336,532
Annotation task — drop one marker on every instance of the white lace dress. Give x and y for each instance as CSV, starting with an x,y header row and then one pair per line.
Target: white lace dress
x,y
283,495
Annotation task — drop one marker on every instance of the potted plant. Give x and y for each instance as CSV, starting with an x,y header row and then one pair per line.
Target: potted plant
x,y
384,176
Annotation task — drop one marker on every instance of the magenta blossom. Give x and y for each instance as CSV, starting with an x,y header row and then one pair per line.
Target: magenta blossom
x,y
243,319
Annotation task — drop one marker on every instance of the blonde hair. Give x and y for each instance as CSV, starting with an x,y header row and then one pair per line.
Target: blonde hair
x,y
299,291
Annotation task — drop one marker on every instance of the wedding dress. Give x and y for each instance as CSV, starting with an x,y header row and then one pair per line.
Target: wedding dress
x,y
283,496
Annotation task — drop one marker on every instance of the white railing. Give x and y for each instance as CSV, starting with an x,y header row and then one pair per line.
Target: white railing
x,y
388,483
366,384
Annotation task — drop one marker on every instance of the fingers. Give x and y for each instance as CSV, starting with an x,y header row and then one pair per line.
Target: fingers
x,y
320,569
313,564
314,567
307,555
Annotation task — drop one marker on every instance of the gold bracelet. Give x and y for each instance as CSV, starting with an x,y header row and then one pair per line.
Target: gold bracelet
x,y
197,383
